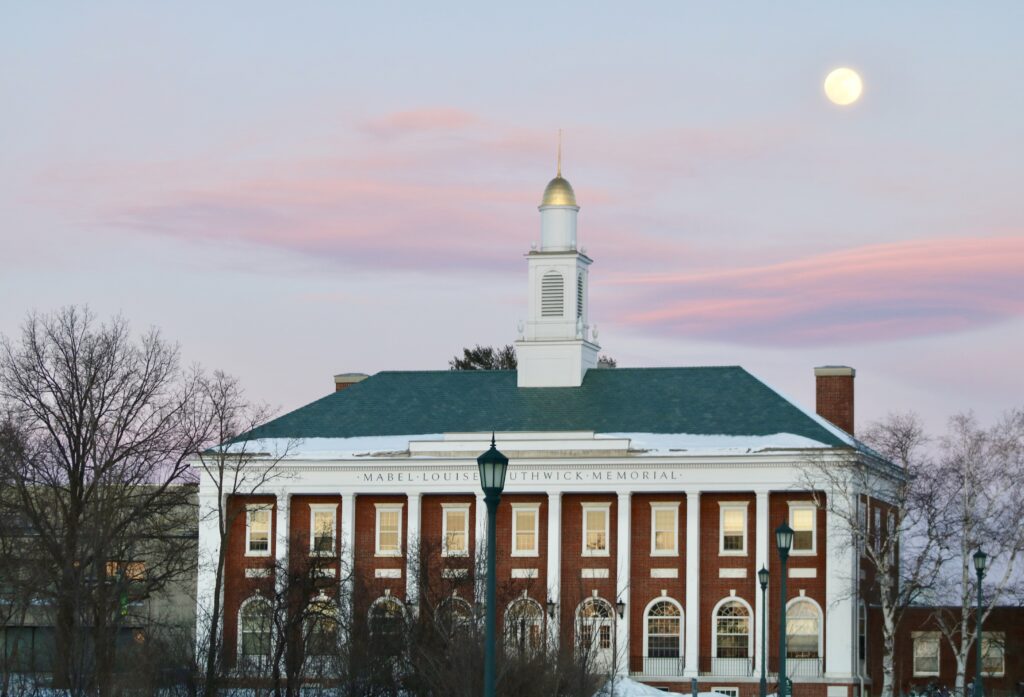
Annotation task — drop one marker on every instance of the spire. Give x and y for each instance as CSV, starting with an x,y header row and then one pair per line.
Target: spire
x,y
559,173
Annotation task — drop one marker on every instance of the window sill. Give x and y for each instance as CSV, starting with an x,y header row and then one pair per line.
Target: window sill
x,y
250,553
671,553
448,555
392,555
732,553
803,553
532,553
926,675
586,553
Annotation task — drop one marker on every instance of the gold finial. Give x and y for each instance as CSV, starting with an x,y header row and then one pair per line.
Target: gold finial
x,y
559,173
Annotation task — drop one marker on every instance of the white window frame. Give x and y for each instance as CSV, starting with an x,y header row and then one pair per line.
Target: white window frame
x,y
731,691
821,624
724,506
315,508
252,658
606,508
805,506
913,654
251,508
464,509
751,649
389,508
682,625
674,508
535,509
999,638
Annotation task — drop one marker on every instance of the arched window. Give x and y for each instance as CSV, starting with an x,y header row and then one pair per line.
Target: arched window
x,y
255,623
803,629
664,626
322,627
732,630
524,626
595,621
387,617
552,295
454,615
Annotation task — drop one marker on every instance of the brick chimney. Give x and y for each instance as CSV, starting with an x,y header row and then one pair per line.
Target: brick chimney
x,y
343,380
834,390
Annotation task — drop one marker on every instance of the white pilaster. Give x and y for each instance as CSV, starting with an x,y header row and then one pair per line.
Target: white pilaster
x,y
622,578
209,552
281,533
840,605
692,648
412,553
760,560
554,559
348,550
479,563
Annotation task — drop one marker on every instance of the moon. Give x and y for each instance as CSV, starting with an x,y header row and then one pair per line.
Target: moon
x,y
843,86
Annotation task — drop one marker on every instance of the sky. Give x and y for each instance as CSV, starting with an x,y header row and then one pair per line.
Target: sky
x,y
294,190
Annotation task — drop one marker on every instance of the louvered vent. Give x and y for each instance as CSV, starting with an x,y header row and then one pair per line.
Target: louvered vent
x,y
579,295
552,292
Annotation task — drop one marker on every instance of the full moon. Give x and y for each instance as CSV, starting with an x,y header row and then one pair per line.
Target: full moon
x,y
843,86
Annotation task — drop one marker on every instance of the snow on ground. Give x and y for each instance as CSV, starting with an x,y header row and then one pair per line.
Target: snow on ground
x,y
624,687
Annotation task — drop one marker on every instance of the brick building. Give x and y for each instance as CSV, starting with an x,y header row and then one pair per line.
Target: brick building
x,y
639,506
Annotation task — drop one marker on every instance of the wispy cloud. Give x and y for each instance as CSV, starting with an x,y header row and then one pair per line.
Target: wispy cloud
x,y
858,295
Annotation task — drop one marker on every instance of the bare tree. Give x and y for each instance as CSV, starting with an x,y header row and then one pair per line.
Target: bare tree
x,y
101,413
981,471
228,466
885,505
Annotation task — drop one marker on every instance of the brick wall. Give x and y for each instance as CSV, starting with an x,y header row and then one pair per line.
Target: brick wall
x,y
714,588
237,588
643,588
814,588
367,587
834,395
574,587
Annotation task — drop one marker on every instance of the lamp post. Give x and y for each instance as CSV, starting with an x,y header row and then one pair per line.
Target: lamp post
x,y
783,541
762,576
493,466
980,560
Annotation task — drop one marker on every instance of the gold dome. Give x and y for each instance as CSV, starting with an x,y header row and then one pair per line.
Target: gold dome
x,y
559,193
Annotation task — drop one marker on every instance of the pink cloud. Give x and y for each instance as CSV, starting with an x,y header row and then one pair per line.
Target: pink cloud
x,y
863,294
421,120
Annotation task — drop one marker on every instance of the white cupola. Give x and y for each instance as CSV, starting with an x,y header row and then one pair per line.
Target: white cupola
x,y
555,349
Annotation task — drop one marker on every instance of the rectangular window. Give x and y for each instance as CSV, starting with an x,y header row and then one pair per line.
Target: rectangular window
x,y
733,529
729,691
595,529
606,637
926,653
389,529
454,529
323,523
257,530
803,519
664,529
525,534
993,653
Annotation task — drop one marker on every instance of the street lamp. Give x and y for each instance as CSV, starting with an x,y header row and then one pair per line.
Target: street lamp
x,y
762,576
784,541
980,560
493,466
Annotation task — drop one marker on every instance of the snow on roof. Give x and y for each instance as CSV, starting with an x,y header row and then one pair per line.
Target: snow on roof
x,y
640,445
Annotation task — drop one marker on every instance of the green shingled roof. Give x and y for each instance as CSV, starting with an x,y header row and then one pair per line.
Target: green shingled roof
x,y
715,401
